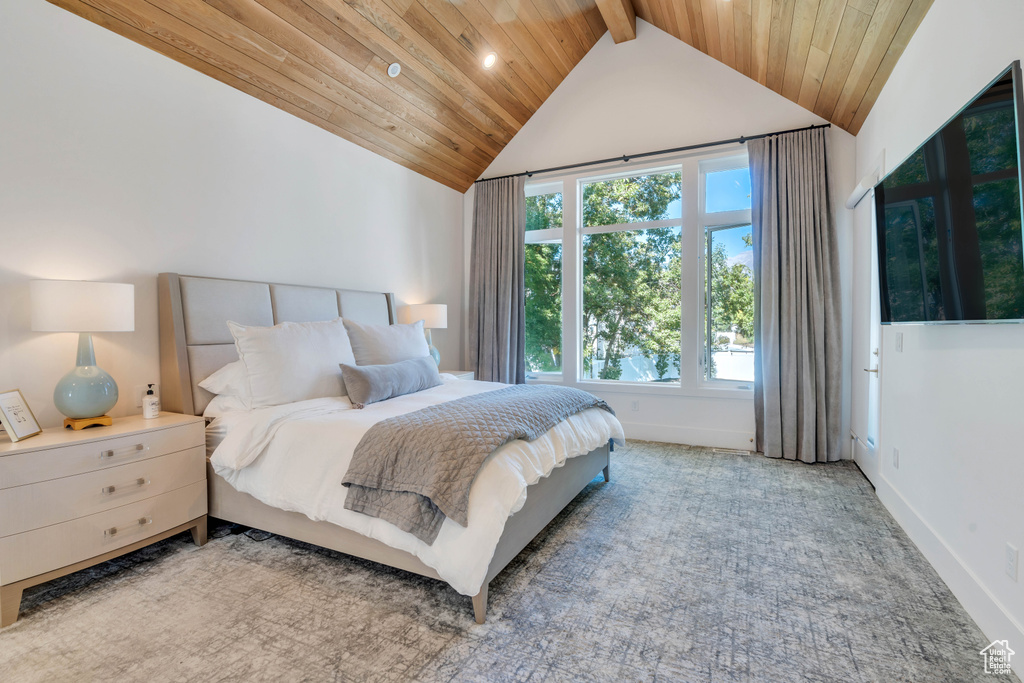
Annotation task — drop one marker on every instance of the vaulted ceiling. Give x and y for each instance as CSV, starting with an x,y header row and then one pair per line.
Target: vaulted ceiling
x,y
446,116
829,56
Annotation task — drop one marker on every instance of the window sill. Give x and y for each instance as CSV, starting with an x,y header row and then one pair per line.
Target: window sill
x,y
630,387
666,390
545,378
704,390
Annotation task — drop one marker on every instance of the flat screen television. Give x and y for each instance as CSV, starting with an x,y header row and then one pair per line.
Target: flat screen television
x,y
949,218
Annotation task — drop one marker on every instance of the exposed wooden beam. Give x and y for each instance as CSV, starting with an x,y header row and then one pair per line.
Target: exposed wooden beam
x,y
620,17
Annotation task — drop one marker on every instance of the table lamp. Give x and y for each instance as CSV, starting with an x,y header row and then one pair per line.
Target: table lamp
x,y
85,394
434,316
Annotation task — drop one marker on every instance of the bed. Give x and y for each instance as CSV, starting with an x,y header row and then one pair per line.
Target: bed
x,y
195,342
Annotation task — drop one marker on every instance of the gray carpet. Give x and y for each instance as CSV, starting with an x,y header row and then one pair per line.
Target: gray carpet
x,y
689,566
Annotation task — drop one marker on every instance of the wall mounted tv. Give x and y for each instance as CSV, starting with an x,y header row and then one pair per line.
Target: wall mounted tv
x,y
949,218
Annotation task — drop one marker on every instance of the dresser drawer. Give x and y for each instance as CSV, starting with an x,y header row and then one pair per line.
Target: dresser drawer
x,y
28,468
33,506
35,552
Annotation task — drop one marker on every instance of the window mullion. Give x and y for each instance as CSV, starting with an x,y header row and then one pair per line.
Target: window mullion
x,y
542,236
705,366
640,225
726,217
691,280
572,283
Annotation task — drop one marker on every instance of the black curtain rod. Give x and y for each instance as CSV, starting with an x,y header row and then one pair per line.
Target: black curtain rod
x,y
626,157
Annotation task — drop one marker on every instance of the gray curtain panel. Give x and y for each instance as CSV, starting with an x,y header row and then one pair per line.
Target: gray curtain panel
x,y
798,358
497,305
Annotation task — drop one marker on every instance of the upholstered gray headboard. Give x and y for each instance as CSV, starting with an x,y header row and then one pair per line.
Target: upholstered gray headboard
x,y
194,337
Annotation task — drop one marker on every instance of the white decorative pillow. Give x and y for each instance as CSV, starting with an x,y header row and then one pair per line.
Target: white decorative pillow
x,y
386,344
293,361
230,380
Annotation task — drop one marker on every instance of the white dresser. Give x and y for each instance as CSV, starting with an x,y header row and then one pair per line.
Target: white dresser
x,y
69,500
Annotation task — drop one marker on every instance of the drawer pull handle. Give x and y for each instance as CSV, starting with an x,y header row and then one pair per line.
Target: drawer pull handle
x,y
114,531
124,451
140,482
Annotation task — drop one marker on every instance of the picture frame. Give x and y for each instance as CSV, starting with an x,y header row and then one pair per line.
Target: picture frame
x,y
16,417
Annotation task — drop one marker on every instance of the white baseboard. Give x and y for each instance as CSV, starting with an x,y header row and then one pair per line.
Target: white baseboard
x,y
692,436
991,616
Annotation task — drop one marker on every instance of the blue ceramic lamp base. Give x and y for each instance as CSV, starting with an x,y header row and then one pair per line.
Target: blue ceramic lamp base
x,y
87,391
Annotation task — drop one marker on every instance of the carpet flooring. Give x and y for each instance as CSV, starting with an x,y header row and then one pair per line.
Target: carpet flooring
x,y
689,566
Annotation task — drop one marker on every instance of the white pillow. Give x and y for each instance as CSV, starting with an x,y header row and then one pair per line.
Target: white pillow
x,y
230,380
293,361
221,404
386,344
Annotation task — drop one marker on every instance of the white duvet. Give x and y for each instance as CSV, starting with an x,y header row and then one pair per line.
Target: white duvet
x,y
294,456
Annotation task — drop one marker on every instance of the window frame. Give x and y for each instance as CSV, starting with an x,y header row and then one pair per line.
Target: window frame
x,y
706,344
549,236
581,181
691,383
710,222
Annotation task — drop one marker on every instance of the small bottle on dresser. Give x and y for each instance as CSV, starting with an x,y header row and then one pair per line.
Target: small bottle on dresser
x,y
150,404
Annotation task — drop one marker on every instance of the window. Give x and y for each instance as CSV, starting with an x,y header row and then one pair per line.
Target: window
x,y
642,279
631,253
729,312
727,190
543,278
729,271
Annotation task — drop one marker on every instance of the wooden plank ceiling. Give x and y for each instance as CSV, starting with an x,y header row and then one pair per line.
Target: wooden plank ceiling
x,y
829,56
447,117
326,61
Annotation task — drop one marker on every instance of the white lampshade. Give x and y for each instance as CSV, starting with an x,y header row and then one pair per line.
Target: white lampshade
x,y
77,306
434,316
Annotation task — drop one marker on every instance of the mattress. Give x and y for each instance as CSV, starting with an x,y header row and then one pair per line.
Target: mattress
x,y
293,457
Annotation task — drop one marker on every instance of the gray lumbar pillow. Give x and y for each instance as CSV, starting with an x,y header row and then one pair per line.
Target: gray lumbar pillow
x,y
384,344
372,383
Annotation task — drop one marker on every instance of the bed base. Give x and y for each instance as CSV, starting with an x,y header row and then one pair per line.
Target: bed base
x,y
544,501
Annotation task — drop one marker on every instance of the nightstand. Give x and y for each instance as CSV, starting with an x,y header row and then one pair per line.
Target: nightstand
x,y
69,500
461,374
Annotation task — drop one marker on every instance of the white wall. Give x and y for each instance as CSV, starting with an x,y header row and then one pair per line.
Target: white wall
x,y
653,93
952,401
117,163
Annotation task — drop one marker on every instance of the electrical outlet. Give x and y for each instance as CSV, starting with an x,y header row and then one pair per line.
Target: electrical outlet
x,y
1011,561
899,342
140,391
636,406
896,458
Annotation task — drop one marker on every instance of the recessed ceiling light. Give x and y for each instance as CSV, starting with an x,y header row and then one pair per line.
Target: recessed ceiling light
x,y
394,70
489,60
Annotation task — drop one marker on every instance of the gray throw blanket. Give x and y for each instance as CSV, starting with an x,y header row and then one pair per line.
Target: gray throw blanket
x,y
414,470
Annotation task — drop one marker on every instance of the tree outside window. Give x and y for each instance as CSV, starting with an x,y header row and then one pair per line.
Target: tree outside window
x,y
631,279
543,281
629,252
